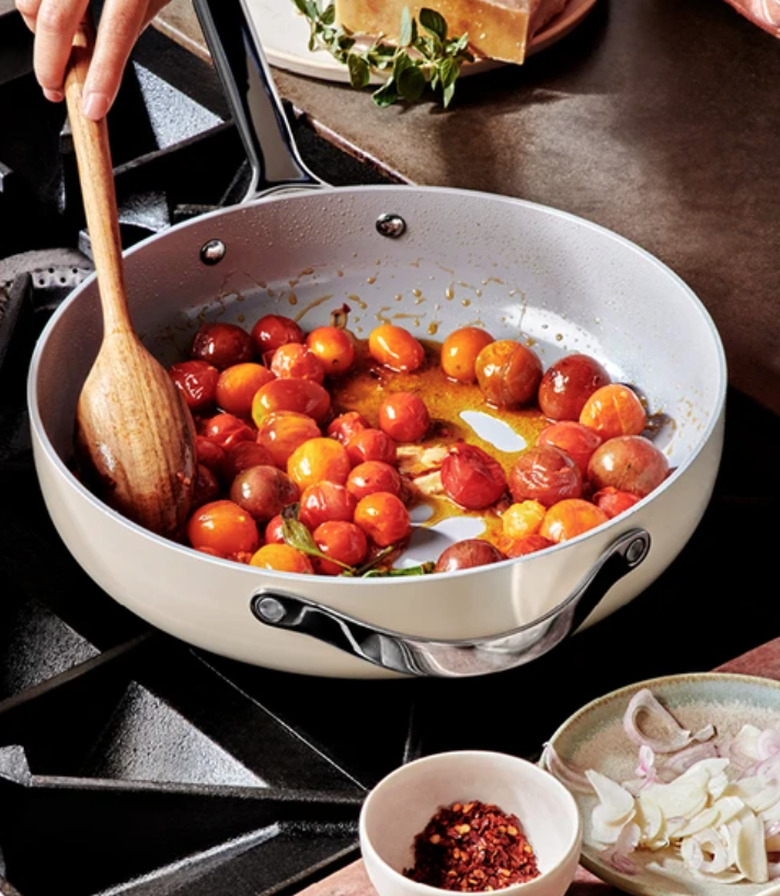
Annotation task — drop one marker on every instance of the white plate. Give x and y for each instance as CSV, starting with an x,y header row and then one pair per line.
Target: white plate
x,y
284,33
594,738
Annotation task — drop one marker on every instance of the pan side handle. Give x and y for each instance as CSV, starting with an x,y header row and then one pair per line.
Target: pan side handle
x,y
413,655
257,110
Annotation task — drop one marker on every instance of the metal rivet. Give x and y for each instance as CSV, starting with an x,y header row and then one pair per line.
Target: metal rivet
x,y
637,550
390,225
212,252
269,609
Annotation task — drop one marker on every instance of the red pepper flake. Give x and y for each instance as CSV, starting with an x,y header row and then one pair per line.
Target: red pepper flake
x,y
470,847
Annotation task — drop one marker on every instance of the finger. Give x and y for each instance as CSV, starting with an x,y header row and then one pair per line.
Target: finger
x,y
120,24
28,9
55,24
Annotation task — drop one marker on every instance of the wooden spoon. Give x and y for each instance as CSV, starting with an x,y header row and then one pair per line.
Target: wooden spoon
x,y
135,434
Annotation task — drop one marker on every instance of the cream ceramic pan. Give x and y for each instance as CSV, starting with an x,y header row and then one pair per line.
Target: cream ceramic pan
x,y
518,269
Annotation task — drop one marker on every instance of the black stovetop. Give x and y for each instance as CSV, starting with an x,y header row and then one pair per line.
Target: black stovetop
x,y
133,763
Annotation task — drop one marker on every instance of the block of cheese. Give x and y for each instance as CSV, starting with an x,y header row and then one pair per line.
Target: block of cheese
x,y
497,29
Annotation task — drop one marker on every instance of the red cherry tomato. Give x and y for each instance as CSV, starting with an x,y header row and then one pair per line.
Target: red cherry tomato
x,y
325,501
281,432
628,463
341,540
384,518
206,487
222,344
471,477
545,474
395,348
404,417
346,425
467,554
613,502
227,429
508,373
295,360
568,384
527,544
245,454
197,382
273,330
371,444
213,456
374,476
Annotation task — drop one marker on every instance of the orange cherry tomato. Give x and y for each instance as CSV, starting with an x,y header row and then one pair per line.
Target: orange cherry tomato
x,y
508,373
522,518
197,382
459,353
326,501
569,518
575,439
317,460
291,394
281,432
224,528
404,417
613,501
614,410
227,429
341,540
384,518
346,425
395,348
281,557
295,360
527,544
335,348
237,385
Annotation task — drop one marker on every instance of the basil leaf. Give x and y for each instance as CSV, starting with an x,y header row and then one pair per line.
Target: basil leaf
x,y
411,83
434,22
359,74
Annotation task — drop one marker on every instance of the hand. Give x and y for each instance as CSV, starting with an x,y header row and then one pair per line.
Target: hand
x,y
55,22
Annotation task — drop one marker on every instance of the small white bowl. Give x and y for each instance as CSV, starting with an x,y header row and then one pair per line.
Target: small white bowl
x,y
402,804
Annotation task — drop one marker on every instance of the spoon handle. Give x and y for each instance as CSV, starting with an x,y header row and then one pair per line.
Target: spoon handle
x,y
96,174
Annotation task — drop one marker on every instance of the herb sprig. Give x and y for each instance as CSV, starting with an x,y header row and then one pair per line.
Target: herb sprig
x,y
422,56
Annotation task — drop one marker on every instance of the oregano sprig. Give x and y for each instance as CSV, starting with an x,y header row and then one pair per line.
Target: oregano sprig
x,y
422,56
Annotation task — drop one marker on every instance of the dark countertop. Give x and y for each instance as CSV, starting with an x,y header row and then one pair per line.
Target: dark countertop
x,y
655,118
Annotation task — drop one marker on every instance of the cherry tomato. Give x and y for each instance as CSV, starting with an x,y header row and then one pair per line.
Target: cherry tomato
x,y
395,348
371,444
527,544
281,432
274,530
404,417
242,455
384,518
613,502
335,348
544,474
263,491
576,440
325,501
341,540
206,488
568,384
521,519
222,344
459,353
346,425
197,382
224,528
237,385
295,360
227,429
283,558
273,330
471,477
317,460
467,554
628,463
373,476
571,517
303,396
508,373
213,456
614,410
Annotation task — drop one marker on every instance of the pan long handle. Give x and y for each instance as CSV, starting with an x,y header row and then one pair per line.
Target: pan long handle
x,y
257,110
412,655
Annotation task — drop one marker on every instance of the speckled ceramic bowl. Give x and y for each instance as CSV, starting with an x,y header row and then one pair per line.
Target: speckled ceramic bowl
x,y
594,738
402,804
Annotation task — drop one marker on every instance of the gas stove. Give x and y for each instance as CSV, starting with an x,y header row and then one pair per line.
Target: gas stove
x,y
132,763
